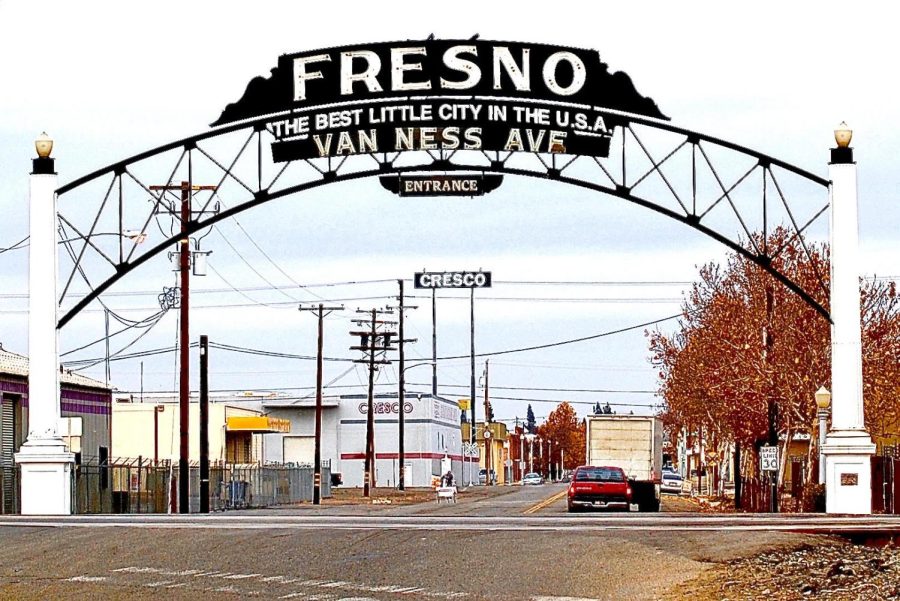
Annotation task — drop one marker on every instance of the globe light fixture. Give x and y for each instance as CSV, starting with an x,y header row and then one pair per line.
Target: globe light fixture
x,y
43,145
843,135
823,398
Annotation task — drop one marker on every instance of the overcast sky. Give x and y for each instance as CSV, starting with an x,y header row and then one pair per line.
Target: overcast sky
x,y
108,79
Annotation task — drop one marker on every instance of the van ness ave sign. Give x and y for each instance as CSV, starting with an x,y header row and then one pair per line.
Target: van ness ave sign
x,y
440,95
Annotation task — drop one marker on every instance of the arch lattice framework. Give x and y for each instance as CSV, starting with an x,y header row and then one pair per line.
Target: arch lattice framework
x,y
728,192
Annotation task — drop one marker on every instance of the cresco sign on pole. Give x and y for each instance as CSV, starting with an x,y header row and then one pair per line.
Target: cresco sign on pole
x,y
440,95
452,279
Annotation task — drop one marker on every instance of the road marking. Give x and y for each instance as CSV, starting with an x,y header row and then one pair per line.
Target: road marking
x,y
563,599
306,584
545,503
86,579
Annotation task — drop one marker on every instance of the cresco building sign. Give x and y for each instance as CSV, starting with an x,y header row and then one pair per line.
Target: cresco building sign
x,y
452,279
440,95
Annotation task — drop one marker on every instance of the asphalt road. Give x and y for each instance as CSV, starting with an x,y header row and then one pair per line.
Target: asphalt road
x,y
512,543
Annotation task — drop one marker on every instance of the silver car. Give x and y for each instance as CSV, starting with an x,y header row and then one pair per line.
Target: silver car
x,y
671,483
533,478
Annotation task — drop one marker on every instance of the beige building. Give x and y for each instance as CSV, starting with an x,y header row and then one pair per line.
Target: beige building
x,y
150,429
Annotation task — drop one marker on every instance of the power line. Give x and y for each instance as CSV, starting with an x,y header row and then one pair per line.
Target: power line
x,y
571,341
141,324
593,283
248,297
17,246
558,401
252,268
540,389
280,355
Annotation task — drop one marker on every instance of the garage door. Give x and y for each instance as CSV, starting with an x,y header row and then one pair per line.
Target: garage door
x,y
299,449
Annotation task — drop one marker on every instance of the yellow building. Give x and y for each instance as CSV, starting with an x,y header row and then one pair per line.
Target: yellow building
x,y
151,430
493,450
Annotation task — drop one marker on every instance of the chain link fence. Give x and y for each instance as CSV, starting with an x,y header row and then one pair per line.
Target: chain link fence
x,y
140,486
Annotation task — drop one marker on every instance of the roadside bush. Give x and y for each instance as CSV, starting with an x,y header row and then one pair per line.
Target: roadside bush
x,y
813,498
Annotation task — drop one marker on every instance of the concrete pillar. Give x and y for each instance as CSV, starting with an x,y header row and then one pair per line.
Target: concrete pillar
x,y
46,466
848,447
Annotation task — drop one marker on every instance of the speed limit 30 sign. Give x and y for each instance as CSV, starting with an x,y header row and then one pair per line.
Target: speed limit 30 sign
x,y
768,458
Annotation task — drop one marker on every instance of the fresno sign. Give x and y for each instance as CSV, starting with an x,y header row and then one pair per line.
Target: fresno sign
x,y
440,95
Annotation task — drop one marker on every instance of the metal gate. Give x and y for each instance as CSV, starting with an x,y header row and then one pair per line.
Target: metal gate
x,y
8,471
885,484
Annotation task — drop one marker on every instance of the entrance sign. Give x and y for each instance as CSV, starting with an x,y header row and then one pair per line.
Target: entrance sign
x,y
475,184
768,458
440,95
452,279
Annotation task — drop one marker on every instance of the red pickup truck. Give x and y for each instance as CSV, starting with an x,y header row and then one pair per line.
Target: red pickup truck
x,y
599,487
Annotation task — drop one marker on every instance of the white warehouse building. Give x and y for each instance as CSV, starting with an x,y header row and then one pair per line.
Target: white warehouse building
x,y
431,425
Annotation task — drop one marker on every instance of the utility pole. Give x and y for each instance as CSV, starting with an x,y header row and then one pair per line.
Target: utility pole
x,y
372,342
184,388
204,424
700,460
434,383
521,449
472,371
769,342
401,395
317,460
488,446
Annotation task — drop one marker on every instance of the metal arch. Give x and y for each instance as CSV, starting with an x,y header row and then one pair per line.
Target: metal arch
x,y
548,170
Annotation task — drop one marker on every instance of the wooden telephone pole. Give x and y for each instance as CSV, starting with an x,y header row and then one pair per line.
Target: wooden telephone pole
x,y
375,344
317,461
184,343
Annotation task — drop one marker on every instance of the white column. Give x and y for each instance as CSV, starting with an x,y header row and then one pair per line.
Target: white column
x,y
848,447
46,466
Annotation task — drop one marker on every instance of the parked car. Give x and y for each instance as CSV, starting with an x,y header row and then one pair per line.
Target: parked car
x,y
482,476
599,487
533,478
671,483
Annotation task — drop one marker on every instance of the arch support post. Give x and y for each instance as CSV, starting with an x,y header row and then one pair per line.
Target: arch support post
x,y
46,465
848,448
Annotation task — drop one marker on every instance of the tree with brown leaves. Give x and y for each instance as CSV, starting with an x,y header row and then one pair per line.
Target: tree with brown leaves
x,y
747,345
567,433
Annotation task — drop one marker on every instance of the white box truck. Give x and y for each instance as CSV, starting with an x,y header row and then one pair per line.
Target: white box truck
x,y
633,443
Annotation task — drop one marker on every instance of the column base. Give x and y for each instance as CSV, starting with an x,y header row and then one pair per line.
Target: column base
x,y
46,477
848,472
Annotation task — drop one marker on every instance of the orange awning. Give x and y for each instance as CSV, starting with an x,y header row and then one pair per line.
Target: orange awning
x,y
258,424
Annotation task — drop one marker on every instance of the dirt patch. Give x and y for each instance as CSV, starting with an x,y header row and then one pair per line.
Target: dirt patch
x,y
836,571
379,496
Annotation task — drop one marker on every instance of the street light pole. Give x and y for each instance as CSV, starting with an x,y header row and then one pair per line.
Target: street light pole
x,y
204,424
848,448
530,436
401,482
823,400
521,452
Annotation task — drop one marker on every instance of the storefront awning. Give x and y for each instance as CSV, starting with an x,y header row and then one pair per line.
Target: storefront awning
x,y
257,424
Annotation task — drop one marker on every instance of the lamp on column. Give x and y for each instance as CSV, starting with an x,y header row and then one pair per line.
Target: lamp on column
x,y
43,165
842,136
823,401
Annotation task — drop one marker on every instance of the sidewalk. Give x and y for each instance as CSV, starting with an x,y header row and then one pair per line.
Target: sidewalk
x,y
410,496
